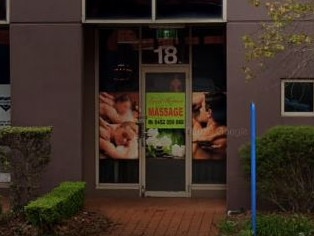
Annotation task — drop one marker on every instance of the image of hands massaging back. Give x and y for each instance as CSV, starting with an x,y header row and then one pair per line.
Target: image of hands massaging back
x,y
118,141
116,110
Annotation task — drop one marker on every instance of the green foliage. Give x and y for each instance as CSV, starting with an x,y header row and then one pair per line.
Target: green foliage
x,y
285,167
270,225
278,35
62,202
229,226
284,225
24,152
246,232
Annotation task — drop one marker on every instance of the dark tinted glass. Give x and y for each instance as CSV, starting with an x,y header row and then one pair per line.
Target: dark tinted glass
x,y
189,8
5,97
118,9
209,93
3,10
298,97
118,105
118,60
209,59
4,57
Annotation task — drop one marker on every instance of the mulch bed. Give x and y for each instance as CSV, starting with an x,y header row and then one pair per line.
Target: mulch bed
x,y
84,223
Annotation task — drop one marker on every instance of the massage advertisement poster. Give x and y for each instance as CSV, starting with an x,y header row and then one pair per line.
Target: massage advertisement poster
x,y
165,110
209,139
118,129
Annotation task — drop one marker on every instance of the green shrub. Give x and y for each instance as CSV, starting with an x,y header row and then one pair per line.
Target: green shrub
x,y
229,227
25,151
269,225
281,225
62,202
285,167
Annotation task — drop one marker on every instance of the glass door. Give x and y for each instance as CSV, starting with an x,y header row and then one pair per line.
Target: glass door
x,y
164,141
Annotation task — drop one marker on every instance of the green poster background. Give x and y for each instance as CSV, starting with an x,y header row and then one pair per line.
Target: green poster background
x,y
165,110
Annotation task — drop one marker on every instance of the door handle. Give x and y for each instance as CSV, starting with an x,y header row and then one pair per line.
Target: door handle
x,y
141,131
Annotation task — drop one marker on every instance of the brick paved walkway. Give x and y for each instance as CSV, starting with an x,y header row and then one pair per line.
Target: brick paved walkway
x,y
160,216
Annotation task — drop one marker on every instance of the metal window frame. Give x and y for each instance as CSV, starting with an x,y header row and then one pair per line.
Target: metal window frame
x,y
153,19
282,100
209,187
7,20
99,185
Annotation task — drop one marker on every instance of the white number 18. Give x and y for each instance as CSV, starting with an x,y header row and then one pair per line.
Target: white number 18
x,y
167,55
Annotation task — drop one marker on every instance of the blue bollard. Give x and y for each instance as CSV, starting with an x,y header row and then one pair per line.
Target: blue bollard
x,y
253,167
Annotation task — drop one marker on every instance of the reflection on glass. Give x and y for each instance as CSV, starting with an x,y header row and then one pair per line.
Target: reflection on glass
x,y
3,10
122,9
165,82
298,97
118,60
189,8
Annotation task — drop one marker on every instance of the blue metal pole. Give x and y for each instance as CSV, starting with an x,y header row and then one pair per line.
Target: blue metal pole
x,y
253,167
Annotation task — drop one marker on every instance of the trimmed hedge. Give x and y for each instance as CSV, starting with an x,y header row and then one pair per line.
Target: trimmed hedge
x,y
24,153
62,202
285,167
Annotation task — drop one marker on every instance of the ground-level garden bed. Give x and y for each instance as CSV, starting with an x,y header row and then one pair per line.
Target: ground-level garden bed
x,y
59,212
83,223
268,224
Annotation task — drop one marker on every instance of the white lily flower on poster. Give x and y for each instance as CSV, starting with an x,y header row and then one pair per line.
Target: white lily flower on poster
x,y
152,132
165,142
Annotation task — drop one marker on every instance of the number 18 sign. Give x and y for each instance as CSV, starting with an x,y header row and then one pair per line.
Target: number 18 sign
x,y
167,54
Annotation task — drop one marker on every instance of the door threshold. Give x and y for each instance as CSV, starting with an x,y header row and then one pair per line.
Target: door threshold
x,y
166,194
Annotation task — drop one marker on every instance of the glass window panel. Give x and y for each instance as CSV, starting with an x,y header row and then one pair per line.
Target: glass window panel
x,y
165,46
298,97
209,59
165,102
5,88
119,60
122,9
209,106
209,171
5,93
4,57
3,14
189,9
119,105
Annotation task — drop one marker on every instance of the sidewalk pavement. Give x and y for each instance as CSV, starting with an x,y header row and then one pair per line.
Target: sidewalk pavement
x,y
160,216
